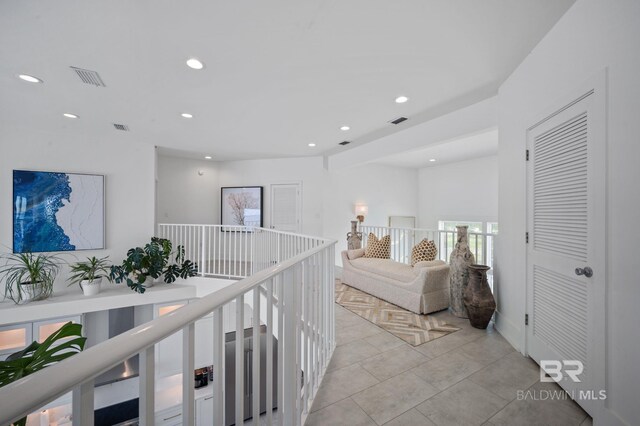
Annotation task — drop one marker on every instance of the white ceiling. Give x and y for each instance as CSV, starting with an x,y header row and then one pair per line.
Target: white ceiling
x,y
279,74
464,148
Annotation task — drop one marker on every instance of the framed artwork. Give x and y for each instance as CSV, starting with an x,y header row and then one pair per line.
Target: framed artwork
x,y
241,206
55,211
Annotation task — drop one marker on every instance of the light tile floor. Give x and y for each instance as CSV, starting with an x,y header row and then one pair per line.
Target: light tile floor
x,y
470,377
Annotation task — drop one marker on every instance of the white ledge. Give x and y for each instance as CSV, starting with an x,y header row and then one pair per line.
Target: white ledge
x,y
73,302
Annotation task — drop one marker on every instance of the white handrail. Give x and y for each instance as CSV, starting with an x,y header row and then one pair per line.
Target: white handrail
x,y
22,397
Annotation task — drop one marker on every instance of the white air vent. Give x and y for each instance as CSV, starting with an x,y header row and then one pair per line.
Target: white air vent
x,y
122,127
89,77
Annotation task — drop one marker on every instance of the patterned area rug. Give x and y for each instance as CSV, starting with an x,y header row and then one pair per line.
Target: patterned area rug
x,y
412,328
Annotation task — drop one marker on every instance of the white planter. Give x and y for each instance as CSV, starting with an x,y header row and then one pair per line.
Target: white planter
x,y
91,288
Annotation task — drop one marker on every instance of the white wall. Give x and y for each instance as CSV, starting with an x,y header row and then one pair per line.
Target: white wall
x,y
387,191
592,35
185,196
129,170
307,170
465,190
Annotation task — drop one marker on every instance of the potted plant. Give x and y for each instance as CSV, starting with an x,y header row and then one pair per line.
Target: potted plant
x,y
37,356
89,274
29,276
147,264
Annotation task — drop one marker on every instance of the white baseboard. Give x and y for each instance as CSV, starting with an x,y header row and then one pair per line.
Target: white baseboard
x,y
511,332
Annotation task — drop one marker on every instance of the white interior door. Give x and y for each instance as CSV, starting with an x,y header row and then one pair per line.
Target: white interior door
x,y
286,207
566,175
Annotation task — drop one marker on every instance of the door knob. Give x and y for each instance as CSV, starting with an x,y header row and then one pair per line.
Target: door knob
x,y
586,271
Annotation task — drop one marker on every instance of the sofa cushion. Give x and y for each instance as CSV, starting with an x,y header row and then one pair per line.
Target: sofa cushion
x,y
378,248
424,250
386,268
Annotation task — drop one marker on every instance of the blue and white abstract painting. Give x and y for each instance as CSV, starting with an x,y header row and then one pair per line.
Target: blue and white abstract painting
x,y
57,211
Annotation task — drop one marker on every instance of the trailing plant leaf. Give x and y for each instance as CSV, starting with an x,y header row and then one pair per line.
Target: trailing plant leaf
x,y
37,356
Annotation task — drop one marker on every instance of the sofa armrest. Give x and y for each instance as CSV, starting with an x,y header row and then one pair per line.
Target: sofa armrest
x,y
354,254
434,277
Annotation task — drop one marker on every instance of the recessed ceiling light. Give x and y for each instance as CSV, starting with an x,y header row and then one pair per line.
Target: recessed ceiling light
x,y
312,145
401,99
207,157
69,115
194,63
186,115
29,78
432,160
345,128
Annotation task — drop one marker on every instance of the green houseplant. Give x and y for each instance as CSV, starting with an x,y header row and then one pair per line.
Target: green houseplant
x,y
156,259
37,356
89,274
29,276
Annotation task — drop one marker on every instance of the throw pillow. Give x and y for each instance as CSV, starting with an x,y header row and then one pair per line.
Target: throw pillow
x,y
378,248
424,250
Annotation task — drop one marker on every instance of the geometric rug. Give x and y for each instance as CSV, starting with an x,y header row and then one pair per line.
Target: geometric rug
x,y
412,328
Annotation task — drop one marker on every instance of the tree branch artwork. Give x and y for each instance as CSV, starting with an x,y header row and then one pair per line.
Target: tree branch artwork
x,y
239,202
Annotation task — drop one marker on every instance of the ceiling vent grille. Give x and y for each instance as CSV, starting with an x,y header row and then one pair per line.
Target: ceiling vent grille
x,y
89,77
398,120
344,143
122,127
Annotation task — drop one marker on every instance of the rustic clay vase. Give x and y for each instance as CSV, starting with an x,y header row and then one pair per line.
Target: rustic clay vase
x,y
354,238
478,298
459,261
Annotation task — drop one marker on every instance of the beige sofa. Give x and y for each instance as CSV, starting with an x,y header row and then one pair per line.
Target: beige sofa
x,y
422,288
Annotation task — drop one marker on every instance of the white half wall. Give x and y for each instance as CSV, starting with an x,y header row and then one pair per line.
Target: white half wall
x,y
188,191
127,165
591,36
386,190
465,191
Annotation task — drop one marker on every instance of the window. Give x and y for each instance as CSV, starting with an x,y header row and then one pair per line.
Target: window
x,y
482,254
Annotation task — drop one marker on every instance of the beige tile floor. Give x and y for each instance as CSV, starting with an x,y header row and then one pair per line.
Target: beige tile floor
x,y
470,377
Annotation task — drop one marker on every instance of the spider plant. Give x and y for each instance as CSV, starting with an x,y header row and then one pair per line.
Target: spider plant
x,y
29,276
37,356
90,271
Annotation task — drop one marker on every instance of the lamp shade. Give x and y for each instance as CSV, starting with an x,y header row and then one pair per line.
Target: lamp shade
x,y
361,210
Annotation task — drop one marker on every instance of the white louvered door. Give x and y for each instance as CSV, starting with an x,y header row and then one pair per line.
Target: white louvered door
x,y
286,207
566,230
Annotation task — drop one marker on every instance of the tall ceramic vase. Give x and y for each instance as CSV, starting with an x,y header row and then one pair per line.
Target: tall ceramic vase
x,y
478,297
461,258
354,238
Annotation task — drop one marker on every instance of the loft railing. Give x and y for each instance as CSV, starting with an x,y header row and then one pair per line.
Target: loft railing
x,y
482,245
235,251
291,292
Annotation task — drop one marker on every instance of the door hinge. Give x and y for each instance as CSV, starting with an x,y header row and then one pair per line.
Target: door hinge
x,y
526,237
527,155
526,319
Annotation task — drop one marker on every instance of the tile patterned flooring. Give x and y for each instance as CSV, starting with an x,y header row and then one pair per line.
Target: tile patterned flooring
x,y
469,377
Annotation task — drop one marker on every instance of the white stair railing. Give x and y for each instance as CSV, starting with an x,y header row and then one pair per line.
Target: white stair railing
x,y
299,291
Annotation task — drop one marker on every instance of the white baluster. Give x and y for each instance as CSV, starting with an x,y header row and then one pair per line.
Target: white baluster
x,y
240,360
82,404
218,368
146,405
188,380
